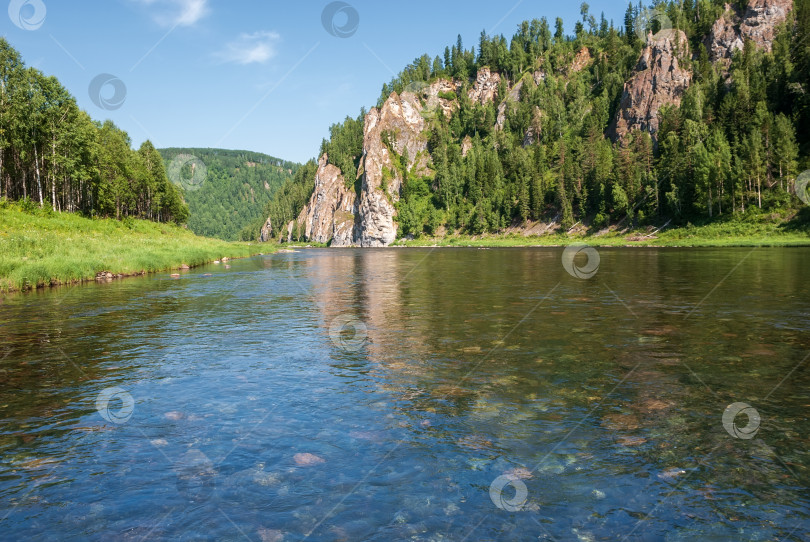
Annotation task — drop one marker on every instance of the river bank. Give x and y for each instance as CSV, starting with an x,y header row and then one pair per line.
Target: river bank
x,y
755,231
39,248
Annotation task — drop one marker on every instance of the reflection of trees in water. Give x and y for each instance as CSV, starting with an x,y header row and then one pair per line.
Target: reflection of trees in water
x,y
62,346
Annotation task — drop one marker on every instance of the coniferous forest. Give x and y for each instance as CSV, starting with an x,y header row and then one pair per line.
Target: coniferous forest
x,y
732,148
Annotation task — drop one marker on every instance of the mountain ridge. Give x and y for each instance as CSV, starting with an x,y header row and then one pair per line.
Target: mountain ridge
x,y
226,190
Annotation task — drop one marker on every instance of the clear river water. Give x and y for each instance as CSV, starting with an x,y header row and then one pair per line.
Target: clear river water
x,y
415,394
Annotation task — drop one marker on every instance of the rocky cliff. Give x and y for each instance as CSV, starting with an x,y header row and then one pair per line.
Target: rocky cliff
x,y
390,133
582,60
757,23
267,231
434,101
329,215
511,98
396,131
335,213
485,87
659,80
394,140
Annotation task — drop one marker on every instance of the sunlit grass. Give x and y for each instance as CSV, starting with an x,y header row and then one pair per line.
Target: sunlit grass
x,y
39,248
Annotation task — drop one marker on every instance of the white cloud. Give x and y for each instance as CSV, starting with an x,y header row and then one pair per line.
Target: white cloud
x,y
256,48
177,12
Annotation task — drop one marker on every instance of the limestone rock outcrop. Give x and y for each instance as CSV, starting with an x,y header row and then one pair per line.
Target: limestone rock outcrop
x,y
761,19
512,97
398,126
758,23
582,60
335,213
485,87
434,100
329,215
659,80
267,231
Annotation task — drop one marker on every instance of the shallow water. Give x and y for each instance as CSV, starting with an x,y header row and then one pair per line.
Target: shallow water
x,y
388,394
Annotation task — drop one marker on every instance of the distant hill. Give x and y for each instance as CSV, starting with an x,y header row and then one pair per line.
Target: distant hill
x,y
225,190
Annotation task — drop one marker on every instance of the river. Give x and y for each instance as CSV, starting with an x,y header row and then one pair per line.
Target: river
x,y
415,394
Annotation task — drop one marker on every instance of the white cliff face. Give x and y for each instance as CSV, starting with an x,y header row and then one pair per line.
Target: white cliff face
x,y
335,213
400,122
267,231
329,215
511,98
434,102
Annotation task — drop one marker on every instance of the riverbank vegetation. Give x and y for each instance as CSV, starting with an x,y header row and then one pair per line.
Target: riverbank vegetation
x,y
751,230
40,247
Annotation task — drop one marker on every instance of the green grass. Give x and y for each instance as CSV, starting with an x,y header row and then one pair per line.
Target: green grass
x,y
39,248
750,231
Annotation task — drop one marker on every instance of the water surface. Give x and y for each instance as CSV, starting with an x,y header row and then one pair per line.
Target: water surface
x,y
378,394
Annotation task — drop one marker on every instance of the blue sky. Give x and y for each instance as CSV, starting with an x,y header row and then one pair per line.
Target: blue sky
x,y
265,76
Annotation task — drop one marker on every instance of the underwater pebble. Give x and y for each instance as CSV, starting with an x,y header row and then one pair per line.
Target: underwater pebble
x,y
669,474
270,535
308,460
519,473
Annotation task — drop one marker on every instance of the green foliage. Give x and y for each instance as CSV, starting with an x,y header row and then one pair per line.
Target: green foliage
x,y
40,247
53,154
344,148
236,189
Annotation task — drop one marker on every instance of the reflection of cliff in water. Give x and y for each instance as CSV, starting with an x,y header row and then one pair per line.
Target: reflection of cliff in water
x,y
474,339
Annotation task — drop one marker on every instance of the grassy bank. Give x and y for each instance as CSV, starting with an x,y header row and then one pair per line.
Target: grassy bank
x,y
752,231
39,248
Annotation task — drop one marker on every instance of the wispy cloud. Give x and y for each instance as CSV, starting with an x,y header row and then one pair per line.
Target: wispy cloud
x,y
256,48
177,12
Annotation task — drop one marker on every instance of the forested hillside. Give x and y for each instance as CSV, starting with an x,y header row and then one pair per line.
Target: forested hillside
x,y
226,191
547,143
54,155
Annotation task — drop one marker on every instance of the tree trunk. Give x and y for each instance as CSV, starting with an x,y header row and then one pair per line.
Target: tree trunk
x,y
720,199
39,179
781,186
710,202
53,175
